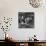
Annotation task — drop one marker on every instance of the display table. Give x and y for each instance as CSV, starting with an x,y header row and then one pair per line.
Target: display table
x,y
27,42
8,42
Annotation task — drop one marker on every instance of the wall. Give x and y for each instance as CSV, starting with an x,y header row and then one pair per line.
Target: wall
x,y
10,8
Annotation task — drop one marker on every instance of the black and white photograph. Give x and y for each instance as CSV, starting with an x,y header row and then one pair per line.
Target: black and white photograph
x,y
26,19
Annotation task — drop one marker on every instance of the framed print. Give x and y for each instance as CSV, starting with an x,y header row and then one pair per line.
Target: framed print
x,y
26,19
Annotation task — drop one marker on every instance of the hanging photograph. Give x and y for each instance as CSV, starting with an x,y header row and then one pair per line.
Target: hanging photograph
x,y
26,19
